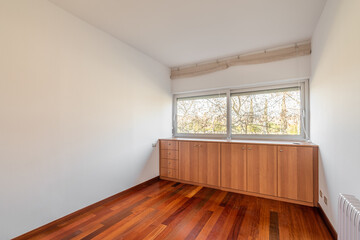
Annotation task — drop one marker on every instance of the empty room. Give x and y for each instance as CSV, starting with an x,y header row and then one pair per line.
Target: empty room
x,y
203,119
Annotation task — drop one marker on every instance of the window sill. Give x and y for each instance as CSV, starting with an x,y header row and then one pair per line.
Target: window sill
x,y
246,141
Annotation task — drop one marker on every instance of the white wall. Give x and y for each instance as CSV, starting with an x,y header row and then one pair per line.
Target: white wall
x,y
79,111
246,75
335,100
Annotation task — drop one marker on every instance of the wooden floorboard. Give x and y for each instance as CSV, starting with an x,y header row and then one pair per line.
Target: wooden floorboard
x,y
167,210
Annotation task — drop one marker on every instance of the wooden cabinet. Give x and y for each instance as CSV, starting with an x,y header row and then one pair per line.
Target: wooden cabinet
x,y
171,145
169,159
168,172
169,154
262,169
209,163
169,163
277,171
200,162
233,166
189,161
295,168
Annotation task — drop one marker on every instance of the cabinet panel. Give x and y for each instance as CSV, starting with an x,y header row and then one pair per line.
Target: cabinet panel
x,y
233,166
167,172
262,169
169,163
209,163
169,145
189,161
169,154
295,169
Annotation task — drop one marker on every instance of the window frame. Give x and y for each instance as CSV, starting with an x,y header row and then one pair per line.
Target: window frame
x,y
304,116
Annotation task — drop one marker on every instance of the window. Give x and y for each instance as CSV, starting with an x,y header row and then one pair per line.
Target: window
x,y
201,115
267,112
272,112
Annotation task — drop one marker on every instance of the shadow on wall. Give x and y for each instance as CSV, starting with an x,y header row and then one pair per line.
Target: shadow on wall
x,y
328,54
151,163
320,51
323,187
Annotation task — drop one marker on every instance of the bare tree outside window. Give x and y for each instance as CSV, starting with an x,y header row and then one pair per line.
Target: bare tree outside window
x,y
267,112
202,115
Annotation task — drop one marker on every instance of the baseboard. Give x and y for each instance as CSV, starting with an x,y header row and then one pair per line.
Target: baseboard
x,y
88,208
327,222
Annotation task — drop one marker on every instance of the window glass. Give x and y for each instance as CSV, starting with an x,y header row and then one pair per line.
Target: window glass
x,y
267,112
202,115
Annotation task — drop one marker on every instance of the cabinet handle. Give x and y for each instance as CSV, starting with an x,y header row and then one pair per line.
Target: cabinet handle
x,y
243,148
195,145
249,148
199,145
281,150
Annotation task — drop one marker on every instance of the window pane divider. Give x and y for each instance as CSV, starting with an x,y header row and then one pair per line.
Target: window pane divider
x,y
228,114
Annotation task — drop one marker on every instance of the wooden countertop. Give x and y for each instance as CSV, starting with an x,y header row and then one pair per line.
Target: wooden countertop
x,y
268,142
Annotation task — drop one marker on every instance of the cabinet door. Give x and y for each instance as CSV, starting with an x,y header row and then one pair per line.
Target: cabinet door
x,y
173,145
169,163
233,166
262,169
296,176
189,161
209,163
169,154
168,172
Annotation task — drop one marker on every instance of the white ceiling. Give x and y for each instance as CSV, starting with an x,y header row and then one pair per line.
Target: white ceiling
x,y
180,32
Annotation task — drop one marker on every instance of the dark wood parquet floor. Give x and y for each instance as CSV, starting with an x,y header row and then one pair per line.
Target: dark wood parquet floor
x,y
167,210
